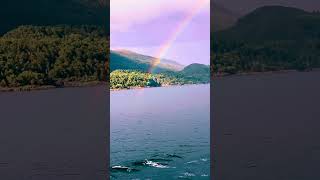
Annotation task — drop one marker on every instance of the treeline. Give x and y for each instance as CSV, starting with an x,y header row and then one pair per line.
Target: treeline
x,y
126,79
53,55
235,57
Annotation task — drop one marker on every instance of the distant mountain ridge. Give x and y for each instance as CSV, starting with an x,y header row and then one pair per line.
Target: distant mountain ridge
x,y
244,7
274,23
124,59
271,38
165,63
130,70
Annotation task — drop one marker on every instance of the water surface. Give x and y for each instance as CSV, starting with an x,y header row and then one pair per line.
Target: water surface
x,y
58,134
161,133
266,126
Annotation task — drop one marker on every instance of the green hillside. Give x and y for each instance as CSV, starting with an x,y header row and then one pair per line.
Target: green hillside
x,y
132,72
52,55
121,62
164,63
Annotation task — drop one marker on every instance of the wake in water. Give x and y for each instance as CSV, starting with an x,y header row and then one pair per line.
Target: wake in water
x,y
168,165
164,161
151,162
123,169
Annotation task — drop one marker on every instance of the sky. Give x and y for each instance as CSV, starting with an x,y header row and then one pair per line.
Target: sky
x,y
246,6
178,30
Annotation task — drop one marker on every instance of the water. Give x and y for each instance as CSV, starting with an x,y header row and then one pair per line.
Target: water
x,y
266,126
160,133
54,134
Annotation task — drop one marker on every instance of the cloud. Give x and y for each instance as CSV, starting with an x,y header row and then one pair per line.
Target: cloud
x,y
127,13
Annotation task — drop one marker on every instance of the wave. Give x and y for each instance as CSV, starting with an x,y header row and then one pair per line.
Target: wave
x,y
151,163
160,159
157,161
123,169
191,162
156,164
187,175
174,156
204,159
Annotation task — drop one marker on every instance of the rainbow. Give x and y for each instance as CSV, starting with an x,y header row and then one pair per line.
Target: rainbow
x,y
177,31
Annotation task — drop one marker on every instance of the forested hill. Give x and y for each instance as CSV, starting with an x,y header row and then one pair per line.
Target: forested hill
x,y
127,60
164,63
130,70
270,38
274,23
52,55
191,74
14,13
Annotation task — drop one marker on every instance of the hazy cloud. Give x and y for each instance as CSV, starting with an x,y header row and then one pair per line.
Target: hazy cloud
x,y
126,13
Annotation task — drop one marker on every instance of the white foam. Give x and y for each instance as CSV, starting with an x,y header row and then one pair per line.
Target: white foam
x,y
122,167
191,162
189,174
204,159
155,164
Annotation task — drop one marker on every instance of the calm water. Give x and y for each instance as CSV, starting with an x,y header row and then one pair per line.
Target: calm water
x,y
266,127
57,134
161,133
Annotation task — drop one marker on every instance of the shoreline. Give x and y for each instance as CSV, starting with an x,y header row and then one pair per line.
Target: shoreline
x,y
228,75
263,73
135,88
75,84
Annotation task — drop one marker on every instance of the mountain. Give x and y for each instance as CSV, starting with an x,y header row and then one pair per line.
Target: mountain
x,y
244,7
124,59
165,63
270,38
196,69
129,69
14,13
222,18
274,23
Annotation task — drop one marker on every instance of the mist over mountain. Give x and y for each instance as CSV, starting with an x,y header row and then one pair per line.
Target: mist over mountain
x,y
53,12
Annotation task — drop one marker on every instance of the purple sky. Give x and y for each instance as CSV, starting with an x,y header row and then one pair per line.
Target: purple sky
x,y
245,6
144,25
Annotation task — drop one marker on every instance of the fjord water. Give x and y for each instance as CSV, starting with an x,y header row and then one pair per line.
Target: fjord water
x,y
266,126
160,133
54,134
